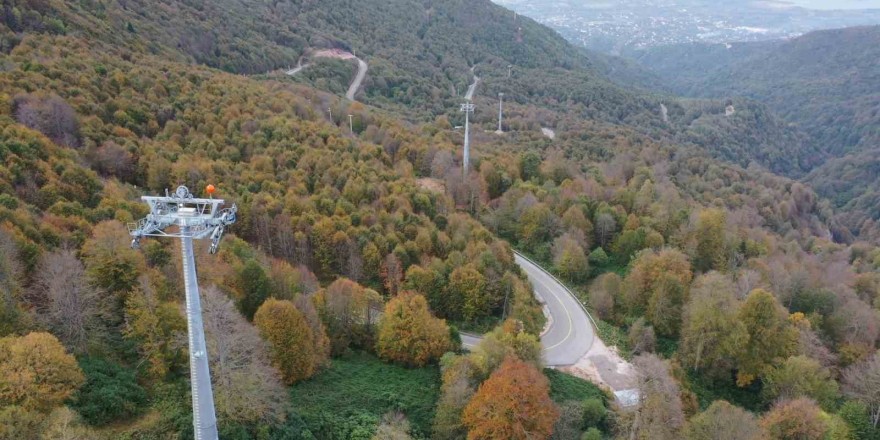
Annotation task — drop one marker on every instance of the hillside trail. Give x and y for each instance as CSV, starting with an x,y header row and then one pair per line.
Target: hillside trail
x,y
473,87
340,55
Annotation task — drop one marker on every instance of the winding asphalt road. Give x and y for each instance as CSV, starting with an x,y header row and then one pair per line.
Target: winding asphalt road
x,y
473,87
569,333
358,79
355,83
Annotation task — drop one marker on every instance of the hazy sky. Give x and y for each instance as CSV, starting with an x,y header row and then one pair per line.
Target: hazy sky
x,y
837,4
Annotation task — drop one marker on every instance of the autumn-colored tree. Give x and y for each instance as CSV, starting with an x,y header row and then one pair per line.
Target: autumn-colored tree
x,y
723,421
604,292
348,311
862,383
409,334
771,339
838,428
711,333
112,265
628,244
605,228
795,419
466,296
711,249
574,220
525,307
372,261
423,280
321,240
568,424
642,338
290,338
36,373
247,388
285,280
513,403
660,415
65,424
508,339
321,353
10,284
392,274
658,285
65,302
569,258
538,225
394,426
459,385
800,376
19,423
51,115
156,328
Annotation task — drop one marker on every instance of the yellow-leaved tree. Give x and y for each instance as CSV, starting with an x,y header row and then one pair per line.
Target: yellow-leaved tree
x,y
409,334
290,337
36,373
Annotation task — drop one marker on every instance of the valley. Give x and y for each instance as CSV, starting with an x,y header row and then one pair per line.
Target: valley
x,y
621,27
651,248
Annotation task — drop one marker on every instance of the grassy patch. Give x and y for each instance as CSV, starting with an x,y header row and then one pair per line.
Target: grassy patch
x,y
614,336
479,327
667,347
708,391
347,400
564,387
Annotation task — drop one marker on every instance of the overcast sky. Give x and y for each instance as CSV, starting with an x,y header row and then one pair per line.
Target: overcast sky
x,y
837,4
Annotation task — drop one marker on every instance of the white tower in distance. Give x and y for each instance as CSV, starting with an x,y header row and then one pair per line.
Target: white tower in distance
x,y
467,108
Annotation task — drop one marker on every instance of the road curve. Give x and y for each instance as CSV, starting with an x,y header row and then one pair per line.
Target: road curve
x,y
355,82
569,334
358,79
473,87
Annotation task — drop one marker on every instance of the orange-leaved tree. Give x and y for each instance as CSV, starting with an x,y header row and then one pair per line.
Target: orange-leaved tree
x,y
409,334
291,339
514,403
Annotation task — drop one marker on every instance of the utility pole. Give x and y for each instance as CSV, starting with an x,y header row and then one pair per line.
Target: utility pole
x,y
330,110
467,108
500,111
509,70
350,123
194,219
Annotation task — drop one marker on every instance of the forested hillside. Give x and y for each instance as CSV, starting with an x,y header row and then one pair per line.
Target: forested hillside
x,y
851,183
333,308
420,55
319,208
825,83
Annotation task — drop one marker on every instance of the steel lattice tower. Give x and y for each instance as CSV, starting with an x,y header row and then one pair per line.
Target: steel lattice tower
x,y
190,218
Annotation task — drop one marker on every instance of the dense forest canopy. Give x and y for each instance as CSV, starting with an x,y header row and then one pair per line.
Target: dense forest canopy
x,y
823,83
363,249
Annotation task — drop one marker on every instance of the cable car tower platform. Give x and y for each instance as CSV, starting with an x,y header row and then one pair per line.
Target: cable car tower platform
x,y
180,215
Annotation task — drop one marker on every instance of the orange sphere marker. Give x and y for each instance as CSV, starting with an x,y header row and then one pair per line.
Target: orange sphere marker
x,y
210,189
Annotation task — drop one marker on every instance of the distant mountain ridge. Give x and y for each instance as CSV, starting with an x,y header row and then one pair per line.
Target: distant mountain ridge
x,y
826,82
